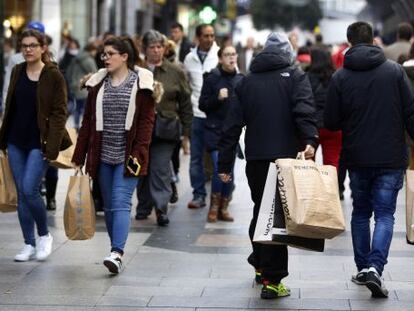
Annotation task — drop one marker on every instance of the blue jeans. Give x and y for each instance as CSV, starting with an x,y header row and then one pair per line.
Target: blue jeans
x,y
217,186
117,192
374,191
197,149
28,168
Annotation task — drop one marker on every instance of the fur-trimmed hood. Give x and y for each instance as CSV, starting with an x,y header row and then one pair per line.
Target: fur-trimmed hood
x,y
145,79
145,82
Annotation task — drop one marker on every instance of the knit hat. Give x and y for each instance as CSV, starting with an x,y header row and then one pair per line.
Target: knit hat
x,y
280,40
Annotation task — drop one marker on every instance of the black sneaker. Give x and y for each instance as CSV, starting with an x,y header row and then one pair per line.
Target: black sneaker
x,y
273,291
51,205
141,216
376,284
360,278
174,195
162,219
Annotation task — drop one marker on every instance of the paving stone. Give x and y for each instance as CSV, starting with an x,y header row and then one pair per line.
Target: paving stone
x,y
181,281
361,293
381,305
59,300
123,301
289,303
216,302
240,292
126,308
144,291
43,308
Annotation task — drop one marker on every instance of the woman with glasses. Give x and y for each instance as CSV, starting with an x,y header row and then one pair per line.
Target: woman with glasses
x,y
215,97
115,136
174,112
33,132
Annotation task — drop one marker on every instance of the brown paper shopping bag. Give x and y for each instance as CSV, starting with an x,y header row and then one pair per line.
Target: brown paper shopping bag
x,y
270,226
8,193
79,212
310,198
64,159
409,206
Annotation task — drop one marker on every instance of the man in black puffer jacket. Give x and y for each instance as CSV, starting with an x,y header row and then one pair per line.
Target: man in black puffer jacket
x,y
275,103
371,102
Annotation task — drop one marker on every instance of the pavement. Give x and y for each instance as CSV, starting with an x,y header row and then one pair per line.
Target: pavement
x,y
191,265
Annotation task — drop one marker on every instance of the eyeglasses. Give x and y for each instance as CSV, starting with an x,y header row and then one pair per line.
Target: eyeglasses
x,y
107,55
31,46
229,54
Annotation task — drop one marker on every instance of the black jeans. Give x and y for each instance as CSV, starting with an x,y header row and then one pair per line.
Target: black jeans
x,y
272,260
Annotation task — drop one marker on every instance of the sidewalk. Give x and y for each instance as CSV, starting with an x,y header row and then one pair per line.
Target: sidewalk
x,y
191,265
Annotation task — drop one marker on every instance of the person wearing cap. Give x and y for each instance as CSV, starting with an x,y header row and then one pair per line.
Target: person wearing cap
x,y
275,104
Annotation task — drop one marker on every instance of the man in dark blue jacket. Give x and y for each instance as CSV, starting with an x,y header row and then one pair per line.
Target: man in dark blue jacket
x,y
275,103
371,102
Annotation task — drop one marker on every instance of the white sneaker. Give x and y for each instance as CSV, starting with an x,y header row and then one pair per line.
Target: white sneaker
x,y
26,253
113,262
44,247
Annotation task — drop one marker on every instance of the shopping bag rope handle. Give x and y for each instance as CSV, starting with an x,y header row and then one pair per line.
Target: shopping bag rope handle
x,y
300,156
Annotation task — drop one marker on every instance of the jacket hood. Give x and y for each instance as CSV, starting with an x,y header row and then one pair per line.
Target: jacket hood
x,y
363,57
271,58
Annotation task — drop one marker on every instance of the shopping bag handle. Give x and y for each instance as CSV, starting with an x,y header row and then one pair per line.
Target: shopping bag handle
x,y
78,170
300,156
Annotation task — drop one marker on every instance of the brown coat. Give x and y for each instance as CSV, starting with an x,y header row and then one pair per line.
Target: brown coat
x,y
138,138
51,110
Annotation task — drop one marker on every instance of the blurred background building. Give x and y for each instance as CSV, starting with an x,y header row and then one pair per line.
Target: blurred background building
x,y
233,19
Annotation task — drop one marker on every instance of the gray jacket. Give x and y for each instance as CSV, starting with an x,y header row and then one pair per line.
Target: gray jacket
x,y
79,67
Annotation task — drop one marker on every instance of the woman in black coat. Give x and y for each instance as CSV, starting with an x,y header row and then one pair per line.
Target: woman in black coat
x,y
215,97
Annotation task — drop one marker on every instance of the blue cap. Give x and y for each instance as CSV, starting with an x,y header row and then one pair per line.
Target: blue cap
x,y
36,26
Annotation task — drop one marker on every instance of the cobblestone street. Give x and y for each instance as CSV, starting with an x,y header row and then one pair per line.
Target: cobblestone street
x,y
190,265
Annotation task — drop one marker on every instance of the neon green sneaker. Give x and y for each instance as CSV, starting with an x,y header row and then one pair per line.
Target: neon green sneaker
x,y
273,291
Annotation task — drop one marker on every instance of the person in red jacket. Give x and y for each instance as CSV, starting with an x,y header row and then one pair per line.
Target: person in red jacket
x,y
115,136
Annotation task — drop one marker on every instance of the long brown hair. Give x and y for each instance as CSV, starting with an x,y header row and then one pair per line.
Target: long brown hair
x,y
41,38
125,45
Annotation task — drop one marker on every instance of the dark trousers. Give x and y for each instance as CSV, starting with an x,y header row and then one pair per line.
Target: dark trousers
x,y
272,260
175,159
51,178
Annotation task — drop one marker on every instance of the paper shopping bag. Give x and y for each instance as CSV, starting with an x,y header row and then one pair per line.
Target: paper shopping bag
x,y
409,206
64,159
8,193
270,226
310,199
79,212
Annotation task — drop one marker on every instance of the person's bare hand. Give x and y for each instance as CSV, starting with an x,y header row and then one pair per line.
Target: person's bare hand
x,y
309,152
226,178
223,93
185,144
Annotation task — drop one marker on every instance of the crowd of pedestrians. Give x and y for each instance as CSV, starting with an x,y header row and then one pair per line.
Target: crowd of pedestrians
x,y
137,102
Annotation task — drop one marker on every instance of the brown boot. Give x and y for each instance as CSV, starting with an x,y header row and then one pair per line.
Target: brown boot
x,y
223,213
215,201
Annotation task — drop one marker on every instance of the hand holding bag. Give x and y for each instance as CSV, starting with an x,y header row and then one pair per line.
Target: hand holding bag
x,y
64,159
270,226
310,198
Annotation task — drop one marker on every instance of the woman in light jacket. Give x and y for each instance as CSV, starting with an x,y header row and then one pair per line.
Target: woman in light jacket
x,y
115,135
